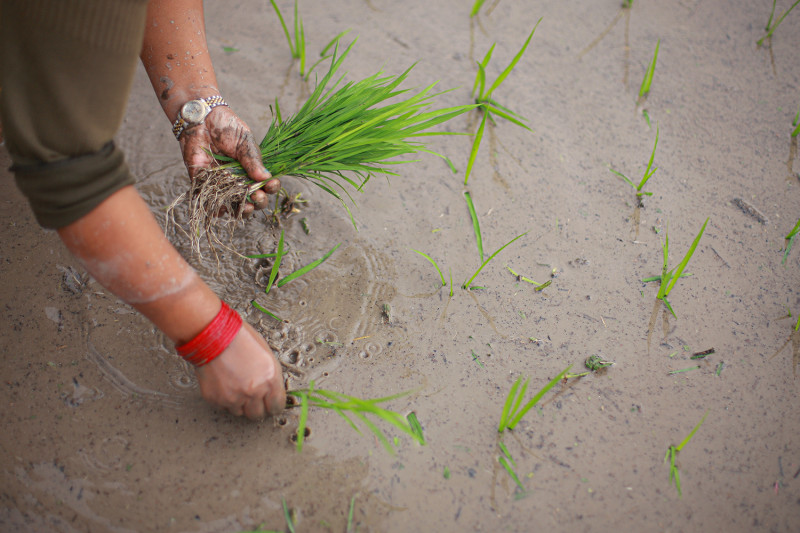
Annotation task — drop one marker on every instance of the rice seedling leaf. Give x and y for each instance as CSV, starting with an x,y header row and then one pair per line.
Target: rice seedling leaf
x,y
309,267
467,284
771,30
415,426
648,76
502,460
430,259
503,75
508,116
476,7
283,25
677,272
288,516
685,441
533,401
275,264
303,419
350,513
266,311
476,144
790,237
507,405
480,78
506,452
475,224
623,176
649,171
333,42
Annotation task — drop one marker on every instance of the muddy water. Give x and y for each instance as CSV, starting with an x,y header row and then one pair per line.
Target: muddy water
x,y
103,427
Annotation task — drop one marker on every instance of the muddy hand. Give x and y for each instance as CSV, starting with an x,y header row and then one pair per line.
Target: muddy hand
x,y
223,132
245,379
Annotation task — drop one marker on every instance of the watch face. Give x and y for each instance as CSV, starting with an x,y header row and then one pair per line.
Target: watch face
x,y
194,111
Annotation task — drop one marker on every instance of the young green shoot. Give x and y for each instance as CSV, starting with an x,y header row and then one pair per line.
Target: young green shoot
x,y
796,123
672,454
648,172
644,89
507,461
476,7
475,225
431,261
266,311
323,55
770,28
347,406
513,410
466,285
307,268
790,237
276,264
298,47
670,278
489,106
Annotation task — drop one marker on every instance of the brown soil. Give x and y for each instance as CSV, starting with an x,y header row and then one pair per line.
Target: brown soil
x,y
104,428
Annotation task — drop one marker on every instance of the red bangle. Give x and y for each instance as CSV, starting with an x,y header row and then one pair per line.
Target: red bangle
x,y
213,340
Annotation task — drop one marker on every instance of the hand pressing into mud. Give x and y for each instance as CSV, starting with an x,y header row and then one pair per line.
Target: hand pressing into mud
x,y
223,132
246,379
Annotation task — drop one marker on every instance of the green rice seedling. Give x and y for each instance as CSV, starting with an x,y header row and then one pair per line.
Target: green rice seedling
x,y
415,426
431,261
644,89
307,268
345,405
266,311
648,172
276,264
790,237
670,278
467,284
489,106
513,411
796,124
475,225
770,28
507,461
298,47
672,454
323,55
476,7
342,135
349,528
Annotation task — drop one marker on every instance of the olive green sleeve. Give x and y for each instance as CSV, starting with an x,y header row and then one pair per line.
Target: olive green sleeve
x,y
66,68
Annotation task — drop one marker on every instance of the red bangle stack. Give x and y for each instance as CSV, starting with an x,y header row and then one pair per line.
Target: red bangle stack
x,y
213,340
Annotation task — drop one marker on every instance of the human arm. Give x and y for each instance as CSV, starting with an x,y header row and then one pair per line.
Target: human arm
x,y
175,56
122,246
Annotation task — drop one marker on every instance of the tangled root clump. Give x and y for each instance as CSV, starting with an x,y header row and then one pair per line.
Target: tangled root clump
x,y
213,192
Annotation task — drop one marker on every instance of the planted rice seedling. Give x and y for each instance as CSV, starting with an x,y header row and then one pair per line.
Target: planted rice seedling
x,y
513,410
672,454
670,278
506,461
467,284
346,406
488,106
796,124
770,28
475,224
342,135
790,237
644,89
431,261
648,172
298,46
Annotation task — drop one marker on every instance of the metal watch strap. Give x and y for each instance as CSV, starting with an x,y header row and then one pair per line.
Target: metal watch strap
x,y
179,125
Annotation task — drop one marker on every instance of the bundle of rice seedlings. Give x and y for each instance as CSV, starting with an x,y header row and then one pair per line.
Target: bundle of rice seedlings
x,y
342,135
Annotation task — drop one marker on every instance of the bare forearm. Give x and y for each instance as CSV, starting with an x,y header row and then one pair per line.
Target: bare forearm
x,y
175,53
123,248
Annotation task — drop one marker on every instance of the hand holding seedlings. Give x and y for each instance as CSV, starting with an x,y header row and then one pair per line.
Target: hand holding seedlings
x,y
102,220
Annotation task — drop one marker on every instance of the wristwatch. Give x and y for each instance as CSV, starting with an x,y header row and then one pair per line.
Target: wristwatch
x,y
194,112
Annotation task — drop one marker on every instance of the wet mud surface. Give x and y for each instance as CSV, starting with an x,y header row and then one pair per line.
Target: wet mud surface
x,y
104,428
